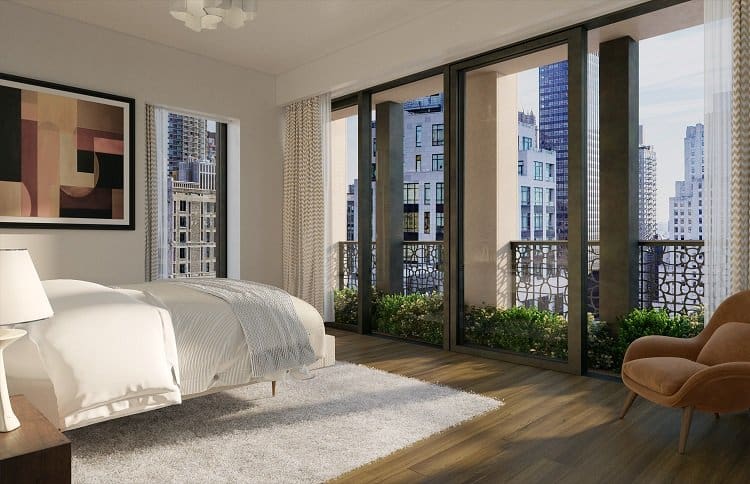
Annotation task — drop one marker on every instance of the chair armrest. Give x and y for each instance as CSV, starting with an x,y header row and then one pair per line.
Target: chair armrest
x,y
650,346
719,388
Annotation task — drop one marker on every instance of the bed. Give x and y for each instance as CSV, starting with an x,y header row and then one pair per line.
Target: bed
x,y
111,352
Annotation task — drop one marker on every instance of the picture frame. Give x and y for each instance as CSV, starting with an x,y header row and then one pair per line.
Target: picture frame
x,y
67,157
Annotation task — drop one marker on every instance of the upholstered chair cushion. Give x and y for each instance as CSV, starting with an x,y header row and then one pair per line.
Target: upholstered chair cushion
x,y
662,374
730,342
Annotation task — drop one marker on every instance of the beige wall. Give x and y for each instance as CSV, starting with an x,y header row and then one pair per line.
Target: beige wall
x,y
56,49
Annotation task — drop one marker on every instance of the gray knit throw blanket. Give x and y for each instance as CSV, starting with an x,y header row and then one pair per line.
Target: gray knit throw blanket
x,y
276,339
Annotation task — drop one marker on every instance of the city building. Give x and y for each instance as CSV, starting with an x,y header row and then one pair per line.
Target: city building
x,y
536,183
686,206
647,225
553,135
187,138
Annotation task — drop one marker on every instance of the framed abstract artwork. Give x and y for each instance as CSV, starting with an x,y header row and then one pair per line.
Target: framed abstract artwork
x,y
67,157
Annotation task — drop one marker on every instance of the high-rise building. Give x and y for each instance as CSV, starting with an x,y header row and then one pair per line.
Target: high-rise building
x,y
553,135
647,226
187,138
686,207
536,183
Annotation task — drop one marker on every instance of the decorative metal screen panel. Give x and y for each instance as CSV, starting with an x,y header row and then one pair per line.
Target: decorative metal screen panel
x,y
423,266
671,275
423,262
540,274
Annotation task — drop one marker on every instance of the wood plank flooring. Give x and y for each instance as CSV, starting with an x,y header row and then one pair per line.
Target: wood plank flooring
x,y
553,428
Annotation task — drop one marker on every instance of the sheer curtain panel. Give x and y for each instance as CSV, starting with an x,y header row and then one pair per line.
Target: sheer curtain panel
x,y
718,151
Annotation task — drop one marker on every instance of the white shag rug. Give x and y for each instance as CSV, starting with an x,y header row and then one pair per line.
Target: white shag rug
x,y
312,431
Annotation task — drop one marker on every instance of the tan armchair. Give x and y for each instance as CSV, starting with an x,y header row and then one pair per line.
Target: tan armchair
x,y
710,372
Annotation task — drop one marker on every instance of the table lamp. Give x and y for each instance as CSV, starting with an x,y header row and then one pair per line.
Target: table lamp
x,y
22,300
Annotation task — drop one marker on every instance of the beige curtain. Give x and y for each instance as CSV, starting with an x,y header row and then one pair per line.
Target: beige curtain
x,y
740,160
152,197
304,211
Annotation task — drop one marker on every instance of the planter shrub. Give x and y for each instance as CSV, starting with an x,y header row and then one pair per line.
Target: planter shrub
x,y
607,345
413,316
521,329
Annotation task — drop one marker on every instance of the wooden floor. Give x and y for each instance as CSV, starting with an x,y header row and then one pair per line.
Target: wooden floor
x,y
553,428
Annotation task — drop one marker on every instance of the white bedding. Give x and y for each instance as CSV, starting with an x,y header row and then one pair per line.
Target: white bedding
x,y
102,355
108,352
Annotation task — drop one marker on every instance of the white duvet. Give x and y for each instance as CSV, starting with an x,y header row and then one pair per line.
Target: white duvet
x,y
108,353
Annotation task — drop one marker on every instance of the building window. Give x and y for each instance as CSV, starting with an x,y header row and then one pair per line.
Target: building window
x,y
426,193
550,171
418,136
550,195
437,161
440,222
411,193
417,163
438,135
374,146
538,221
525,221
538,196
538,170
525,143
183,206
183,252
411,222
525,195
439,196
520,167
183,221
427,222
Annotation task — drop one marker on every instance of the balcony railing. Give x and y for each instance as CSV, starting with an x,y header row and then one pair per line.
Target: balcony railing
x,y
423,266
670,273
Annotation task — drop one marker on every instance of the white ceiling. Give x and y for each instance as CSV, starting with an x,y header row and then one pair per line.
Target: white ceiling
x,y
289,34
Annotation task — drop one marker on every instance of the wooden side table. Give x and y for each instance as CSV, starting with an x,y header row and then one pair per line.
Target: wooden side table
x,y
36,452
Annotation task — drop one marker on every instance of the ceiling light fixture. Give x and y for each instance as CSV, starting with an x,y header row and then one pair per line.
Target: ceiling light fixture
x,y
208,14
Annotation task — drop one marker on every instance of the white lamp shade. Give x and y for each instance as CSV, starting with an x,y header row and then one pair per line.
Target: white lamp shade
x,y
22,297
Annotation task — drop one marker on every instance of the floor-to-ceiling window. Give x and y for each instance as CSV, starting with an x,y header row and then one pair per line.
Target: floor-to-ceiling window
x,y
664,51
515,205
408,216
192,155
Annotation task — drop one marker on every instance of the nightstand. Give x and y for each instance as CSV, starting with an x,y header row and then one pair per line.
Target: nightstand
x,y
35,452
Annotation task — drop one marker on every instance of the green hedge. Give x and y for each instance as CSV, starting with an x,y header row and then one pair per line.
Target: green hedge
x,y
525,330
415,316
607,344
520,329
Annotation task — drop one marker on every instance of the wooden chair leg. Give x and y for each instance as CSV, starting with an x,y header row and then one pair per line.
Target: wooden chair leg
x,y
687,418
273,388
628,403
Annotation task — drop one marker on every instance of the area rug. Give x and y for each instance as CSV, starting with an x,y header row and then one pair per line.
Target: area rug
x,y
312,431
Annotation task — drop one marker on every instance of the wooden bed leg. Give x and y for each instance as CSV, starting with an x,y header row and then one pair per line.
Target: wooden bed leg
x,y
628,403
687,418
273,388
